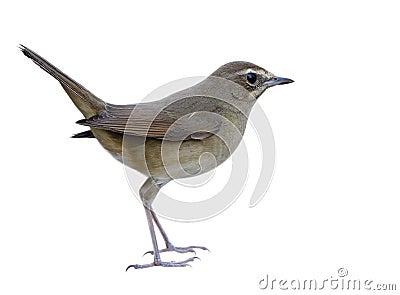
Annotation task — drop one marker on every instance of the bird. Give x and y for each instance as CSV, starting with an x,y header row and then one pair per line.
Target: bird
x,y
165,139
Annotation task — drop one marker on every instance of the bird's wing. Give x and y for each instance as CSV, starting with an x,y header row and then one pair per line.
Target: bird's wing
x,y
171,122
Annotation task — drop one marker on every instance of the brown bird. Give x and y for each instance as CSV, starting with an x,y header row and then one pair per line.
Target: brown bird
x,y
165,139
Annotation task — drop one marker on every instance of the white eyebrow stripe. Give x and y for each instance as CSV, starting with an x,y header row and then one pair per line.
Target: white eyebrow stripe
x,y
259,72
246,71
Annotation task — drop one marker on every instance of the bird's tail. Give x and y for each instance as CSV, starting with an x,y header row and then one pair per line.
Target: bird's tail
x,y
89,104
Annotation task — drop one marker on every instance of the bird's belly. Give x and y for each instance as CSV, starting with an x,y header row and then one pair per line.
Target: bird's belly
x,y
171,160
168,159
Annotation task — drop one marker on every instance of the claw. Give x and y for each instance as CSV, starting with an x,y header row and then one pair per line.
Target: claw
x,y
148,252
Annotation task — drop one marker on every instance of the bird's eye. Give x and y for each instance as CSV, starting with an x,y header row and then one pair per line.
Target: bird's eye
x,y
251,78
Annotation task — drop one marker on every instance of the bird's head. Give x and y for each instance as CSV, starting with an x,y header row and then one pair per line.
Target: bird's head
x,y
250,76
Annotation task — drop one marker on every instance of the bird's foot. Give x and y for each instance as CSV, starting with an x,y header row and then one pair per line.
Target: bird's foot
x,y
170,248
158,262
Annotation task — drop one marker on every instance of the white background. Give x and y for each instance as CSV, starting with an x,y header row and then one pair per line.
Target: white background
x,y
69,223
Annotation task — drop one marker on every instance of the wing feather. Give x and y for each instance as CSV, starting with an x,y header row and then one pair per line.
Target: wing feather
x,y
159,120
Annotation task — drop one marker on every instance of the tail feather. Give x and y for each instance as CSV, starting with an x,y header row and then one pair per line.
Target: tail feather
x,y
84,134
85,101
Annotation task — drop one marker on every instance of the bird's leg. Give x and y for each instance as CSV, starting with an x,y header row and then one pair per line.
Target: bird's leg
x,y
148,192
168,245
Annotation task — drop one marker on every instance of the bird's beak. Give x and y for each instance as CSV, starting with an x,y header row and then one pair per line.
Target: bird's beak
x,y
277,81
